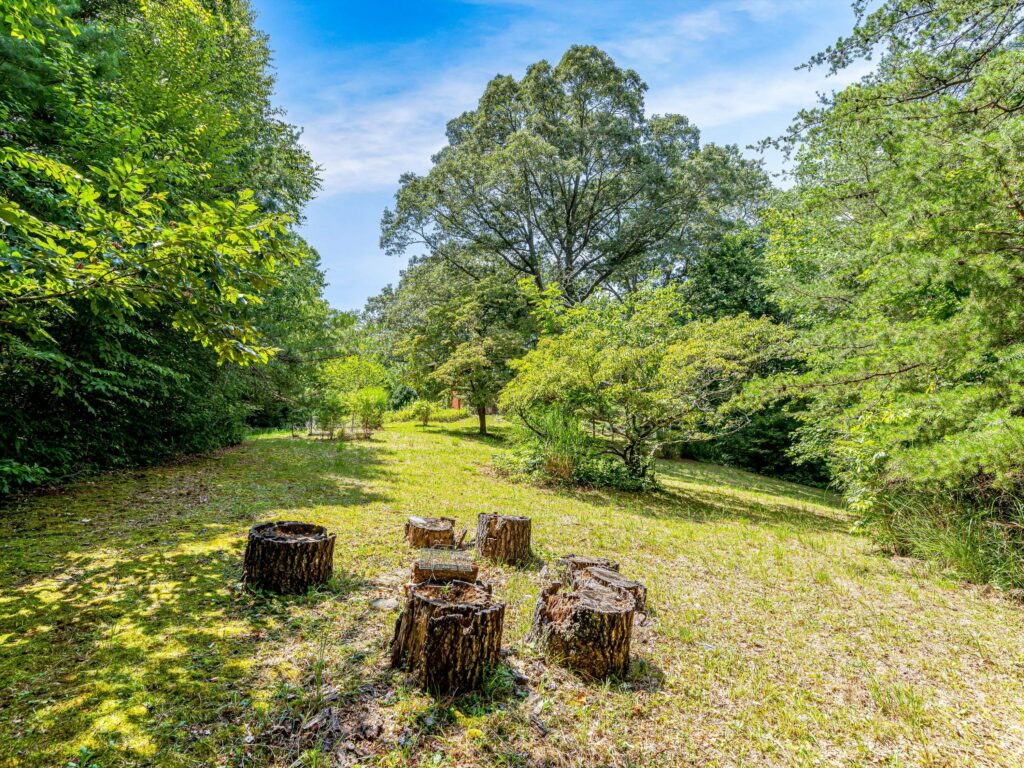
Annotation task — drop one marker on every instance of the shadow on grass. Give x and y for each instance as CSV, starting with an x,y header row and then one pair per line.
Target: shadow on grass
x,y
122,624
495,436
761,500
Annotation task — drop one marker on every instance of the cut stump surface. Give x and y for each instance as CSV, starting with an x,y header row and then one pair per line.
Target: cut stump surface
x,y
288,557
429,532
614,580
448,635
503,538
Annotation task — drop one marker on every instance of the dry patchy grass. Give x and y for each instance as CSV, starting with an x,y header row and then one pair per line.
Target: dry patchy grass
x,y
774,638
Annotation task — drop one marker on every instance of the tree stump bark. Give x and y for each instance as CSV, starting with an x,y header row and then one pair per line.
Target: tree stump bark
x,y
587,630
443,572
429,532
503,538
448,635
288,557
613,580
567,567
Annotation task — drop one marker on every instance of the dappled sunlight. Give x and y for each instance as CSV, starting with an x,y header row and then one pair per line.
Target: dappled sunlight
x,y
139,633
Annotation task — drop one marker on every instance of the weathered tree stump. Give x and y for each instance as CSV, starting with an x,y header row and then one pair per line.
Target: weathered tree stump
x,y
503,538
614,580
443,571
587,630
288,557
427,532
448,635
567,567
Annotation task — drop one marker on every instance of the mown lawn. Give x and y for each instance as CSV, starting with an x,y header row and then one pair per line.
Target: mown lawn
x,y
775,636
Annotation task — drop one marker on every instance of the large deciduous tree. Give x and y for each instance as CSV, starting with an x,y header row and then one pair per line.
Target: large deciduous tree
x,y
561,178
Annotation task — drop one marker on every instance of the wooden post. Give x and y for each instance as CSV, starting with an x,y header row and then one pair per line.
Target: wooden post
x,y
503,538
288,557
427,532
448,635
587,630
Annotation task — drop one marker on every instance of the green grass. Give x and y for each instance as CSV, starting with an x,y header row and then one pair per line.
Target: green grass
x,y
775,636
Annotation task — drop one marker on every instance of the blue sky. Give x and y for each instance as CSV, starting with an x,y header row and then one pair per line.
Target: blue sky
x,y
373,84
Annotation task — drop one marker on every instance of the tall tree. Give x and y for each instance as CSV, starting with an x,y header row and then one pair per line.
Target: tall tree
x,y
898,253
561,178
449,333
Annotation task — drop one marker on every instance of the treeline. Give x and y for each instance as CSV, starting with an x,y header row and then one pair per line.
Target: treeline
x,y
622,290
154,298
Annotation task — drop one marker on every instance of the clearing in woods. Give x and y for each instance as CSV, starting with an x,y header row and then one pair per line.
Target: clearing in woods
x,y
775,636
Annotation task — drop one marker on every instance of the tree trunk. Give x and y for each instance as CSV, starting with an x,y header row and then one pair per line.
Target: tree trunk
x,y
503,538
288,557
428,532
567,567
481,413
587,630
449,635
613,580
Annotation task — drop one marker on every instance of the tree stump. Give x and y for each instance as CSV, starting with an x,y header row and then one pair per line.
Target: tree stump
x,y
567,567
448,635
587,630
427,532
443,571
614,580
503,538
288,557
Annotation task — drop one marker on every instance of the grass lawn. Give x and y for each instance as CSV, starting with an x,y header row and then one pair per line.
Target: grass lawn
x,y
775,637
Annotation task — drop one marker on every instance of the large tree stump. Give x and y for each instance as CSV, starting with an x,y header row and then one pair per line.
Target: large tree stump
x,y
567,567
503,538
427,532
288,557
614,580
448,635
587,630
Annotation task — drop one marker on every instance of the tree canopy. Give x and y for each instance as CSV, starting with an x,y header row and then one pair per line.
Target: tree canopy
x,y
897,253
641,370
147,193
563,179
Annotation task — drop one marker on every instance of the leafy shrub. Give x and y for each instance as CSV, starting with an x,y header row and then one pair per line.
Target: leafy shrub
x,y
437,415
422,409
558,450
368,406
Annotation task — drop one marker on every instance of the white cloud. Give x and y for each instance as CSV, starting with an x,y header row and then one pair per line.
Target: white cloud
x,y
664,41
660,44
375,124
367,145
728,97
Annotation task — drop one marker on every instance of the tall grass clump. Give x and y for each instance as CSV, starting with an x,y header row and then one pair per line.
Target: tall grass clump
x,y
976,539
